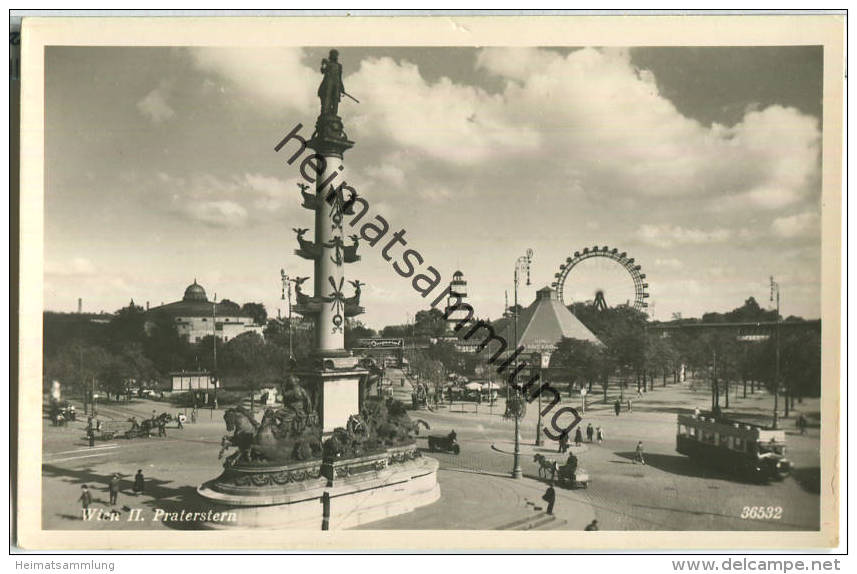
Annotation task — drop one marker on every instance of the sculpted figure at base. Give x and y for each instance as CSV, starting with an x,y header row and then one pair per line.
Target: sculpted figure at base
x,y
284,435
292,433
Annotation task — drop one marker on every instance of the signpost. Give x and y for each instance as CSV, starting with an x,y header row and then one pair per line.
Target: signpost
x,y
379,343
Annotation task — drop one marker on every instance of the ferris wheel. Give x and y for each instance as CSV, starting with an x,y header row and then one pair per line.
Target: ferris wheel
x,y
601,272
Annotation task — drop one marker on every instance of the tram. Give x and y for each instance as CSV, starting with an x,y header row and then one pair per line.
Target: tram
x,y
750,450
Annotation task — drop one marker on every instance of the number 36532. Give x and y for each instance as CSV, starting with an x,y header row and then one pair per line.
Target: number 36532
x,y
762,512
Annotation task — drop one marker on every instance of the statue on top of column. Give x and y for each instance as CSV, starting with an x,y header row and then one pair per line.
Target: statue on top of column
x,y
331,88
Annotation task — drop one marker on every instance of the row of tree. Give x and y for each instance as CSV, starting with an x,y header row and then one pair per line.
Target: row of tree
x,y
638,354
135,348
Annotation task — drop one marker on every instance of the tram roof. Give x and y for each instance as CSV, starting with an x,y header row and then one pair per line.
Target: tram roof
x,y
733,427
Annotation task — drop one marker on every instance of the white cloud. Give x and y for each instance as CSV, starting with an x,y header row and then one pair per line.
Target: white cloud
x,y
435,193
228,202
454,123
667,235
608,122
154,106
669,263
274,78
74,267
589,117
218,213
387,173
800,225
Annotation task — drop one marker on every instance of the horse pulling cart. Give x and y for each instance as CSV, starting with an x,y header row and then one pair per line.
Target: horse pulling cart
x,y
148,426
568,474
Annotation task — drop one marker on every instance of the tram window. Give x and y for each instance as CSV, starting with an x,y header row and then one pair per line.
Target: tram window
x,y
708,437
723,440
738,443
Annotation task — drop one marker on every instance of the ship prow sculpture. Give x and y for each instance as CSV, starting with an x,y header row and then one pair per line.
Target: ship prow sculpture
x,y
329,442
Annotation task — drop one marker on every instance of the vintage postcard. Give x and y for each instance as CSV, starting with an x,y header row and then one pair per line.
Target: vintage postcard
x,y
430,283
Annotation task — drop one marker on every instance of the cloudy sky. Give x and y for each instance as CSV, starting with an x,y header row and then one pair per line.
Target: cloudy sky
x,y
702,163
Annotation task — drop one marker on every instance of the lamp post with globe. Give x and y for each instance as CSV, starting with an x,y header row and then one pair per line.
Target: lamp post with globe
x,y
521,264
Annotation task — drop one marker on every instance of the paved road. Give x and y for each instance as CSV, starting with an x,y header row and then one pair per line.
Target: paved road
x,y
670,492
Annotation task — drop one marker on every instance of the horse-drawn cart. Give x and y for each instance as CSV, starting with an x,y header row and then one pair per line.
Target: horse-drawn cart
x,y
148,426
568,474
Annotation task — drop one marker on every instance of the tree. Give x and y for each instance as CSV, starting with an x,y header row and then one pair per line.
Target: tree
x,y
127,325
356,330
77,366
396,331
800,365
227,307
167,350
580,360
277,334
429,323
661,356
257,311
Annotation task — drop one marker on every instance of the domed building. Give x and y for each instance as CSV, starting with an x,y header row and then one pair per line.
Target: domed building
x,y
195,317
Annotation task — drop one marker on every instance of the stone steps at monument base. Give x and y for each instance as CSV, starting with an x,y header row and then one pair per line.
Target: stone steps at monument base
x,y
538,521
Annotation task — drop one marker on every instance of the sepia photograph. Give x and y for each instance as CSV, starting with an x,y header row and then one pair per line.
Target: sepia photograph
x,y
562,283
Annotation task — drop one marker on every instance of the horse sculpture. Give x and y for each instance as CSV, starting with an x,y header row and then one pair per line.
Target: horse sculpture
x,y
282,436
243,427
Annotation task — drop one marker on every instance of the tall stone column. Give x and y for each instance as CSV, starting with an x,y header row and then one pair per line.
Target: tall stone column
x,y
329,265
333,376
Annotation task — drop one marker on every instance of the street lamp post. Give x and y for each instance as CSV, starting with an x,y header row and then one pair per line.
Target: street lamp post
x,y
539,420
287,294
775,287
521,264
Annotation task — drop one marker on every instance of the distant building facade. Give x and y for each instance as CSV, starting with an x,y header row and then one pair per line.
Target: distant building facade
x,y
195,317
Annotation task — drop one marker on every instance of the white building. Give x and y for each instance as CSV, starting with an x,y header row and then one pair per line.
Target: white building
x,y
195,317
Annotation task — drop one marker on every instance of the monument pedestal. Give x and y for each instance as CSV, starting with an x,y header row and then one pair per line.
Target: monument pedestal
x,y
337,387
362,490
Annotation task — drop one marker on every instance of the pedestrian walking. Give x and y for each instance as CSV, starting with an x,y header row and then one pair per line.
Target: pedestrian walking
x,y
578,437
563,441
801,424
113,488
91,436
589,432
617,407
629,405
97,425
193,416
592,526
139,482
85,499
550,497
639,393
638,454
599,435
181,418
